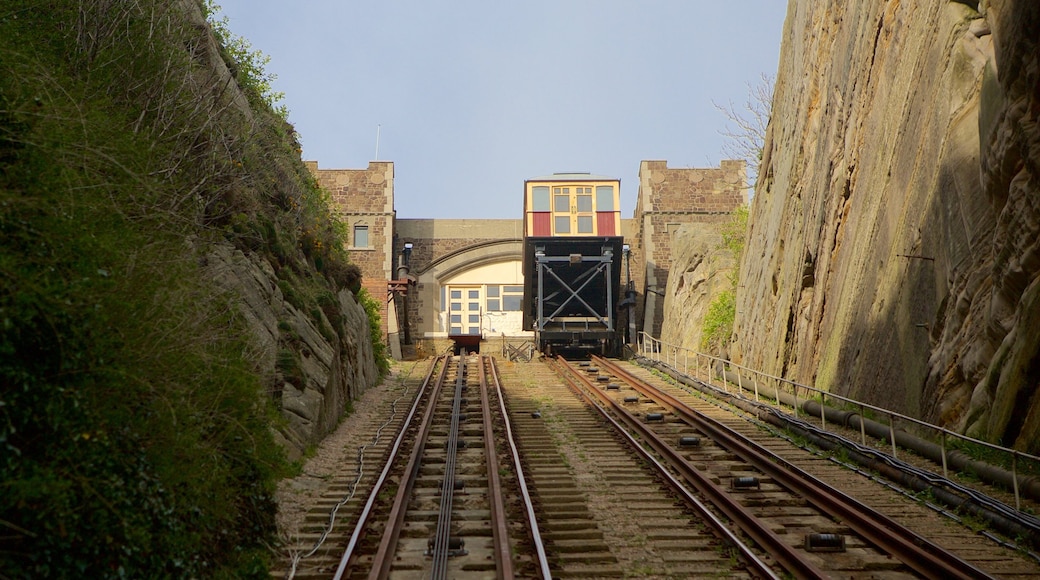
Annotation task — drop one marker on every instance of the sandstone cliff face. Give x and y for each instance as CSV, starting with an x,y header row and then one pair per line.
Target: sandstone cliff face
x,y
892,249
706,268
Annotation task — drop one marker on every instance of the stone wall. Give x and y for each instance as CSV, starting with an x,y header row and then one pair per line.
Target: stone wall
x,y
365,197
668,199
892,250
702,269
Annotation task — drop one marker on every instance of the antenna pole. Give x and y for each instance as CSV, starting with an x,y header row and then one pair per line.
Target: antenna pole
x,y
377,142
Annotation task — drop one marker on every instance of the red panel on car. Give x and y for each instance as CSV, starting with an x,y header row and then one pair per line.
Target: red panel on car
x,y
605,223
542,223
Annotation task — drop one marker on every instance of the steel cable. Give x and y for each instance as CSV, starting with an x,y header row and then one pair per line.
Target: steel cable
x,y
295,558
441,540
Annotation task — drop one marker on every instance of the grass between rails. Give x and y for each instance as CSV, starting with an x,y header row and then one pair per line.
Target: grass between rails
x,y
135,421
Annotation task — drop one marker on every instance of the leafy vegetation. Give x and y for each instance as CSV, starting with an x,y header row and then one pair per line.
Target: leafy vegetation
x,y
717,327
248,64
135,434
718,322
372,308
734,232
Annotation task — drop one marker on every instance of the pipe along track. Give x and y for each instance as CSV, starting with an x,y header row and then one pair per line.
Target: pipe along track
x,y
873,530
1005,519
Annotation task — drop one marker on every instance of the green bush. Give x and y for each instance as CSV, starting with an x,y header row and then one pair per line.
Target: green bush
x,y
372,308
734,231
718,322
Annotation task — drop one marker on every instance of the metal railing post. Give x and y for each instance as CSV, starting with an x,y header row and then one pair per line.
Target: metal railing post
x,y
943,446
823,415
862,424
653,349
892,432
1014,478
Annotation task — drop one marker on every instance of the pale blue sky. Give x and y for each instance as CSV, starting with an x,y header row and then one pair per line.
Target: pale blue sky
x,y
471,98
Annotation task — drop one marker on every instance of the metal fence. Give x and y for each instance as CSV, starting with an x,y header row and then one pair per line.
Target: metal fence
x,y
749,382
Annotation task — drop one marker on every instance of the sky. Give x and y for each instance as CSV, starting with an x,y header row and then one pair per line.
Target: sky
x,y
470,98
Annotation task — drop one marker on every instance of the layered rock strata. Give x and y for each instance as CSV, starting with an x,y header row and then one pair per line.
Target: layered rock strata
x,y
331,368
893,244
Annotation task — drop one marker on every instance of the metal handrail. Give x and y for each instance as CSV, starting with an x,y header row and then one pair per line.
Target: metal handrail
x,y
669,354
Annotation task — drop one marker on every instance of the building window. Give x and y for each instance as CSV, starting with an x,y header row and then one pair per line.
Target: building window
x,y
512,298
361,237
493,302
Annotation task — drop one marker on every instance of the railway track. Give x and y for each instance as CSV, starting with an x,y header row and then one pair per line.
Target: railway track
x,y
439,508
603,513
882,533
572,465
315,544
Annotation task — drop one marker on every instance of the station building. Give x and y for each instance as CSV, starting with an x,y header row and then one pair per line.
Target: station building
x,y
441,277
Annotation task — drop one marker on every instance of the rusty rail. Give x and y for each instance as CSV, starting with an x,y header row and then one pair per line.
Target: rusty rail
x,y
525,494
366,513
790,559
917,552
499,523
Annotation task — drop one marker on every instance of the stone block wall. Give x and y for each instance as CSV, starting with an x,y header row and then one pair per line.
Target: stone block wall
x,y
365,197
436,246
669,198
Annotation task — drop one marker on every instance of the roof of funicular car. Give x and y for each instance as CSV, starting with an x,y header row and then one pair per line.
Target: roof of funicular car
x,y
573,176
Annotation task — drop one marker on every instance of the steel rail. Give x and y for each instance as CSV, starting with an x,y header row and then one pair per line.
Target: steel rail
x,y
441,540
366,512
391,532
383,559
788,558
917,552
532,520
499,523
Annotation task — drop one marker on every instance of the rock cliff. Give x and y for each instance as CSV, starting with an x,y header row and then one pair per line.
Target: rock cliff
x,y
317,366
892,252
707,267
314,356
